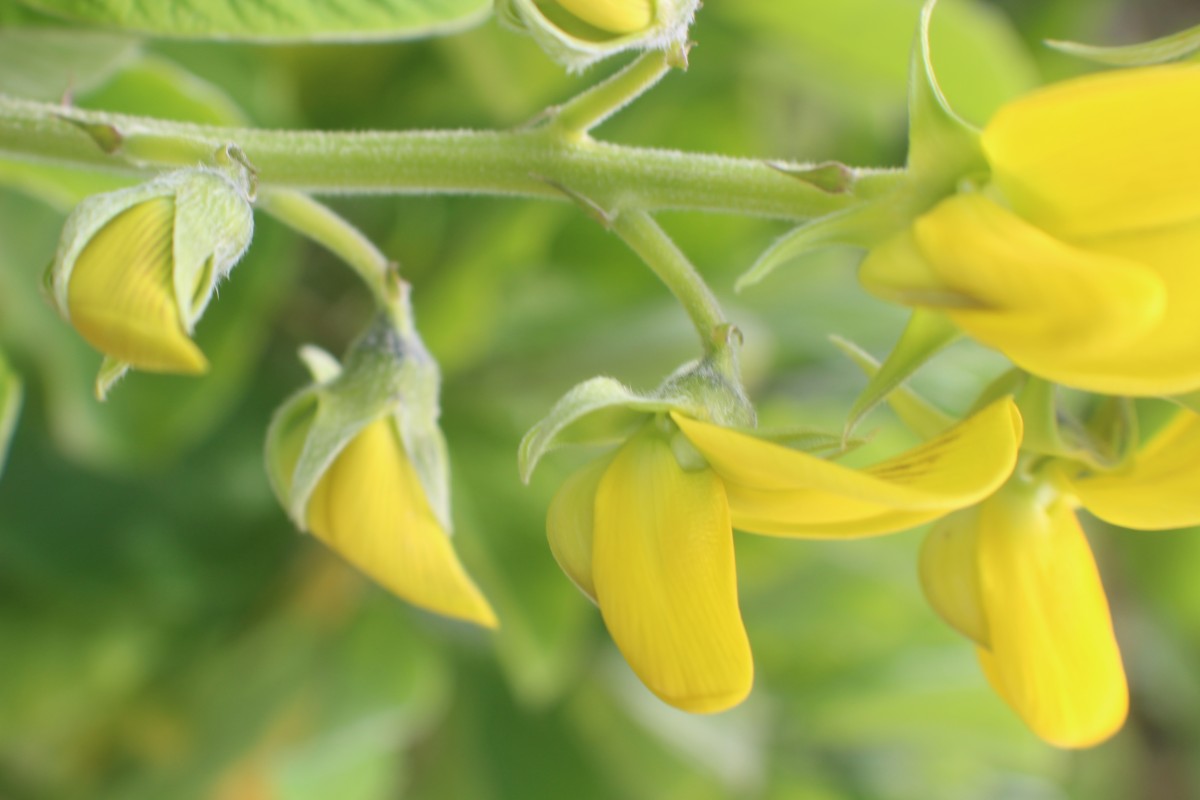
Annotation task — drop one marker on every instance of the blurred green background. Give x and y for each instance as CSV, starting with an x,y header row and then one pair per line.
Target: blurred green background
x,y
166,633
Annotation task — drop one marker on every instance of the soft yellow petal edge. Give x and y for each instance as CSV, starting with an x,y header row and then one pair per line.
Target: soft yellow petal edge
x,y
369,507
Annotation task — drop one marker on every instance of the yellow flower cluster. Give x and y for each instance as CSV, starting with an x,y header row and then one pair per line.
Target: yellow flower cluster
x,y
1076,260
649,537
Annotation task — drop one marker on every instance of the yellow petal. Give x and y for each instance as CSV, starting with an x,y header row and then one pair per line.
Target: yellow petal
x,y
1160,488
817,515
369,507
1052,656
614,16
570,524
1166,359
665,580
1045,304
121,297
1108,152
784,492
949,571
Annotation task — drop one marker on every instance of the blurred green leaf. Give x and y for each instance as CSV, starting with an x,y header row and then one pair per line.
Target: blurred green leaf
x,y
54,63
858,49
10,405
276,20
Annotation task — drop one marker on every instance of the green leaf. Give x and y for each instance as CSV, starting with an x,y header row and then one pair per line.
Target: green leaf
x,y
1174,47
276,20
53,63
925,335
10,404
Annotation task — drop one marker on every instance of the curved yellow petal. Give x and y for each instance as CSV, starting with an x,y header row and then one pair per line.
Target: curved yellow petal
x,y
1045,304
1166,359
1161,488
775,514
898,272
1114,151
570,524
949,572
665,581
1052,655
120,296
778,491
369,508
614,16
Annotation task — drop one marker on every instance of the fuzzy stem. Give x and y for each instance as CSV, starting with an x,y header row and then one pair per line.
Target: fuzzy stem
x,y
580,114
532,163
652,244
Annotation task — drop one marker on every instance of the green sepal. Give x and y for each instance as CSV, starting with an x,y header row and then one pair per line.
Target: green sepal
x,y
603,411
926,334
111,371
1009,382
577,45
11,395
1105,442
1190,401
918,414
860,226
1173,47
600,410
387,371
943,147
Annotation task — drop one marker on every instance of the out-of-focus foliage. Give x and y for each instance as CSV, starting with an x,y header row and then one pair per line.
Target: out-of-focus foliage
x,y
164,632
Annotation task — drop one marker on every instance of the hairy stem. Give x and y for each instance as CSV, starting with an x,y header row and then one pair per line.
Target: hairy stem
x,y
582,113
652,244
532,163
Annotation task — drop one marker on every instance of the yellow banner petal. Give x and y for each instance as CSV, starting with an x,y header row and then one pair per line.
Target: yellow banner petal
x,y
1166,359
1052,656
1104,153
665,581
949,571
121,294
570,524
369,508
1161,488
1045,304
779,491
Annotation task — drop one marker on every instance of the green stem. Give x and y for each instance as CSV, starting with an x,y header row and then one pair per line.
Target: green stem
x,y
580,114
531,163
322,225
652,244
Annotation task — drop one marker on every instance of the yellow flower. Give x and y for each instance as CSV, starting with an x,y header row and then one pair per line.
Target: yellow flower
x,y
1077,259
648,532
1017,577
357,459
370,508
136,268
355,487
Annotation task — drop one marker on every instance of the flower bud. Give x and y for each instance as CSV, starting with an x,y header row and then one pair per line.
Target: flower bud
x,y
136,268
358,461
577,33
